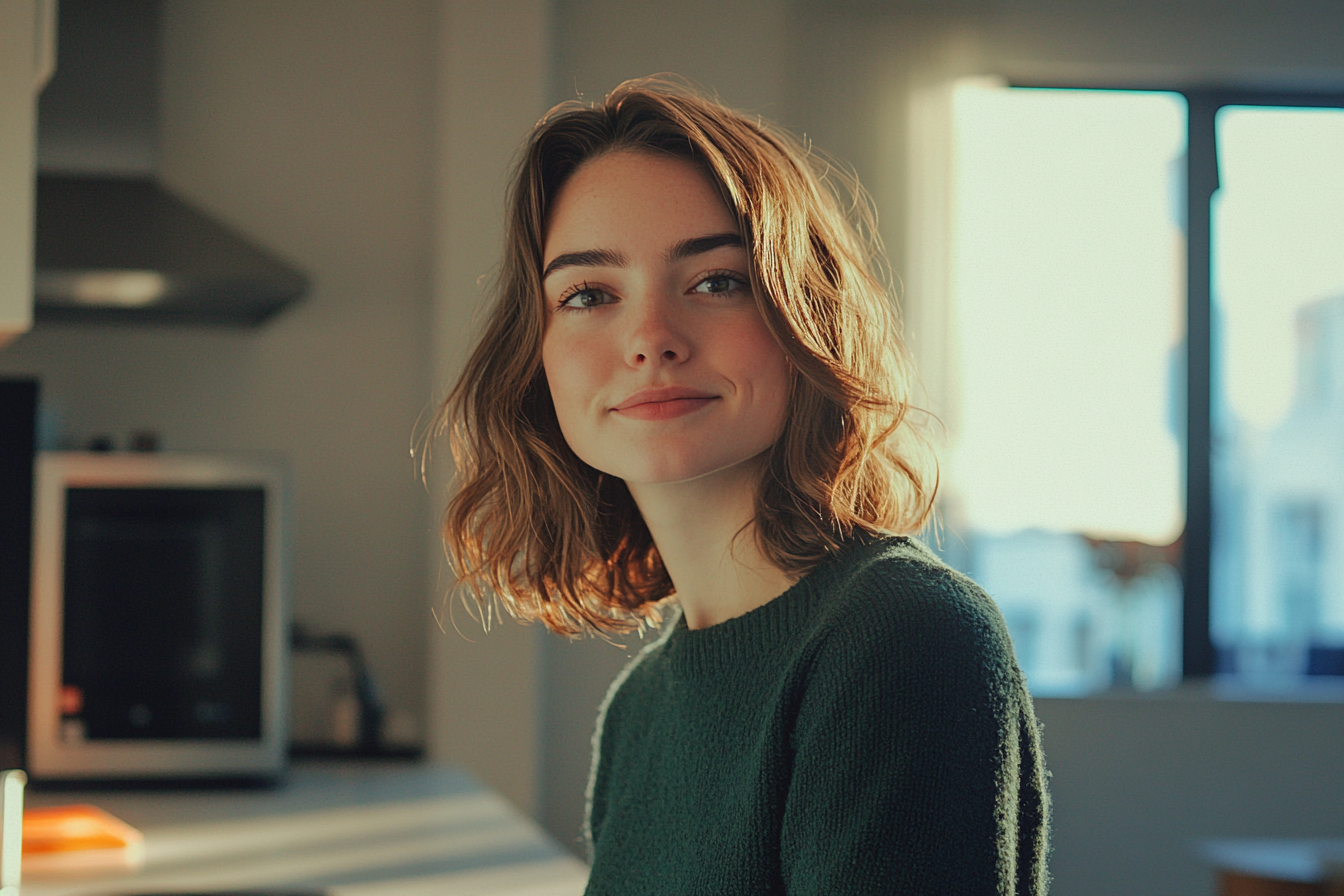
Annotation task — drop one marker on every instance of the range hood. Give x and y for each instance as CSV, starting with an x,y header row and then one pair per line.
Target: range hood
x,y
125,249
111,244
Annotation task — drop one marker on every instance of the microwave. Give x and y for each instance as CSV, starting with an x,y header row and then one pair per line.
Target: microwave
x,y
159,617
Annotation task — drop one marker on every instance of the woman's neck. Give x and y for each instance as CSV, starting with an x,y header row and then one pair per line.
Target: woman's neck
x,y
706,536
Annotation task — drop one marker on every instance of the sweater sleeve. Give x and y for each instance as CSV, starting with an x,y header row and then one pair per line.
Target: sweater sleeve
x,y
916,757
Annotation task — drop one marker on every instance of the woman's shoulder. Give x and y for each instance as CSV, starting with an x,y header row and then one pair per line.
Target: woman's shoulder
x,y
894,597
887,574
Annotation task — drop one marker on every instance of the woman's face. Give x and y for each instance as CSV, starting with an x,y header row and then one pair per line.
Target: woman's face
x,y
659,364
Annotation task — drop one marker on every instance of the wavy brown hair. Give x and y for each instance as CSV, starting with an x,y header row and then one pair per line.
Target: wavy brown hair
x,y
557,540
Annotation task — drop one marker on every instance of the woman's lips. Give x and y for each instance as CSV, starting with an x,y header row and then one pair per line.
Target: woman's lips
x,y
663,404
664,410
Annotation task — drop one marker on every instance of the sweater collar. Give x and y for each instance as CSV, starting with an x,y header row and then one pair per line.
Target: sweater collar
x,y
746,640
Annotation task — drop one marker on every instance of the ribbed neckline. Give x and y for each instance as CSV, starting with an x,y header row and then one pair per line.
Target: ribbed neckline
x,y
745,639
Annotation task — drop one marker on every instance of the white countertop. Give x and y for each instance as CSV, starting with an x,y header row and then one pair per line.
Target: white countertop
x,y
345,828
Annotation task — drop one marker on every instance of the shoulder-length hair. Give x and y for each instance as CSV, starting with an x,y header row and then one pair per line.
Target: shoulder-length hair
x,y
557,540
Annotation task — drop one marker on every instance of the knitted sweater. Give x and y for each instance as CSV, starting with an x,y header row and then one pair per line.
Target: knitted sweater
x,y
866,732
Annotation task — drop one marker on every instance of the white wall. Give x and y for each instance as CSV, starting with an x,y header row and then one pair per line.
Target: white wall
x,y
734,49
491,88
1137,782
304,124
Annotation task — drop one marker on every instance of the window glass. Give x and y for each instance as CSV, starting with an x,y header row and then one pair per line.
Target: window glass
x,y
1063,484
1277,580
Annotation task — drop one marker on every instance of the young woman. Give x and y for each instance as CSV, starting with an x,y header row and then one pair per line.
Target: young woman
x,y
692,394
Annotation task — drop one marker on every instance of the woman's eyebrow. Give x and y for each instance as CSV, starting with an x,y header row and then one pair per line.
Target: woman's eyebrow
x,y
697,245
588,258
700,244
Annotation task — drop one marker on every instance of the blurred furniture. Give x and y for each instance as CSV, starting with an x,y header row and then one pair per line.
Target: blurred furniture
x,y
1279,867
337,827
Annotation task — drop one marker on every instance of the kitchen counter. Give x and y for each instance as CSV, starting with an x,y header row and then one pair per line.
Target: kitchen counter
x,y
344,828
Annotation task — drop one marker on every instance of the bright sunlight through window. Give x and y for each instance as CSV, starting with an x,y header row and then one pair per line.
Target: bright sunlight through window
x,y
1277,602
1068,306
1070,301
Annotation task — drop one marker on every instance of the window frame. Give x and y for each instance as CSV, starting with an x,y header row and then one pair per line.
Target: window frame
x,y
1199,659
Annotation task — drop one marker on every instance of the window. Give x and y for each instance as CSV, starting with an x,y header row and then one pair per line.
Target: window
x,y
1097,367
1277,339
1068,308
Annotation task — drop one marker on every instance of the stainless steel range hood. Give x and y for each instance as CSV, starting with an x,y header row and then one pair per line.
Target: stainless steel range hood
x,y
111,243
125,249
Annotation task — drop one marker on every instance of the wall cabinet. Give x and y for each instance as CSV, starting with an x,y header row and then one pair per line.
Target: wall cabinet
x,y
27,57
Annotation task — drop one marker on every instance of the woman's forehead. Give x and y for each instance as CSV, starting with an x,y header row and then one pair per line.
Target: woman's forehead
x,y
633,197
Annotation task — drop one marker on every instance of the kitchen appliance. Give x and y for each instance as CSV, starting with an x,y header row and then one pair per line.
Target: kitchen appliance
x,y
112,244
18,427
159,617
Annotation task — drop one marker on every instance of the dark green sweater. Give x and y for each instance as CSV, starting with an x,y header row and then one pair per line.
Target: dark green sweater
x,y
866,732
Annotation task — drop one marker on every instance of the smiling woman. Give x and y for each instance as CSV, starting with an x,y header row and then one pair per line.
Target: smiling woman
x,y
658,361
692,391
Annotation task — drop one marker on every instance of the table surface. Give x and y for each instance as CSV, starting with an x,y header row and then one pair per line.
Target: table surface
x,y
1298,860
344,828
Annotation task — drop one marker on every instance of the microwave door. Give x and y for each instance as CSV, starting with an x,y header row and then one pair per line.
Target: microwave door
x,y
163,614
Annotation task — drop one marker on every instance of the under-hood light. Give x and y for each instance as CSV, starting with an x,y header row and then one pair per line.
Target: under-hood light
x,y
106,289
124,249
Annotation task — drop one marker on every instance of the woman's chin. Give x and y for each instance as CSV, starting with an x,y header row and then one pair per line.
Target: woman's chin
x,y
691,472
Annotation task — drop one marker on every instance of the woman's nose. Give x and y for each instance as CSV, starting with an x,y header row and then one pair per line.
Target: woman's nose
x,y
657,335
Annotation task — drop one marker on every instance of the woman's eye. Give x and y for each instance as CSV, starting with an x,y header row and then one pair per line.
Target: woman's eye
x,y
720,284
585,297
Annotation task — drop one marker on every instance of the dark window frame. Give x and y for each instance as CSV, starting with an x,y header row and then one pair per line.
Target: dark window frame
x,y
1199,654
1199,657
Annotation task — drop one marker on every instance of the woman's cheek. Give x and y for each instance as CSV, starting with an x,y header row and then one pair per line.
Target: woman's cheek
x,y
571,385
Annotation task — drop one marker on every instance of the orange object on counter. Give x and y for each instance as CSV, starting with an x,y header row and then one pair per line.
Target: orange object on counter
x,y
78,839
